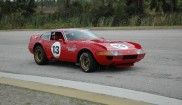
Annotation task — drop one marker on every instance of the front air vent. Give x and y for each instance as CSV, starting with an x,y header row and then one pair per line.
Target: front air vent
x,y
126,57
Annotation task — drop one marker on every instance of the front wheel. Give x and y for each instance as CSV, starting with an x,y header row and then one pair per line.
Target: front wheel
x,y
40,56
87,62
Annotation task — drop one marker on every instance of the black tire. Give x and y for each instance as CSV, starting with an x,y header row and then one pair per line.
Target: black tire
x,y
40,56
87,62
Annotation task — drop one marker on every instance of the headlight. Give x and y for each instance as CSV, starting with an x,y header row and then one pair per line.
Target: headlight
x,y
139,51
104,53
109,53
115,53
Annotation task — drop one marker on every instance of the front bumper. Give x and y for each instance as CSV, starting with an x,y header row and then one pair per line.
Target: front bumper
x,y
128,58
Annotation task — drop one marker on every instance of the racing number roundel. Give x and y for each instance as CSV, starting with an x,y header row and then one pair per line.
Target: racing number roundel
x,y
56,49
119,46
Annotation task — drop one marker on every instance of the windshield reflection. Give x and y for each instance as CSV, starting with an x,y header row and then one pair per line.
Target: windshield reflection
x,y
79,35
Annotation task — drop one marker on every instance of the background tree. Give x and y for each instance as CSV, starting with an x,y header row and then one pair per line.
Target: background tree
x,y
165,6
81,13
25,7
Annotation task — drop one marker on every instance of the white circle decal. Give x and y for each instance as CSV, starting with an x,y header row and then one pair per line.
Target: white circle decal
x,y
56,49
119,46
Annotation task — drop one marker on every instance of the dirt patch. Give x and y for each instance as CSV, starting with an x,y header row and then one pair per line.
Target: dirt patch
x,y
11,95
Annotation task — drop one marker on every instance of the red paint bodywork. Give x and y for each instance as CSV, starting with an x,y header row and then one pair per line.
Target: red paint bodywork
x,y
100,48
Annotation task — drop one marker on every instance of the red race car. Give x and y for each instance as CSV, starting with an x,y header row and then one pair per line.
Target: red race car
x,y
85,48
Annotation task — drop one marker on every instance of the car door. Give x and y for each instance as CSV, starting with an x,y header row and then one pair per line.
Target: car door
x,y
70,49
60,49
70,52
54,48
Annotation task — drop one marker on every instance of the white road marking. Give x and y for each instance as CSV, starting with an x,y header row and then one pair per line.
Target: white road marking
x,y
96,88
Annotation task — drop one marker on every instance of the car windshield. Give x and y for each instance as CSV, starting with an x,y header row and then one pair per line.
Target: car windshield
x,y
79,35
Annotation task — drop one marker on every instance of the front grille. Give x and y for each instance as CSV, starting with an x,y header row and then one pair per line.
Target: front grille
x,y
109,57
125,57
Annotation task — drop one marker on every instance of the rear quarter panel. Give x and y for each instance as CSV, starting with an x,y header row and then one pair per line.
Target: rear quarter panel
x,y
33,40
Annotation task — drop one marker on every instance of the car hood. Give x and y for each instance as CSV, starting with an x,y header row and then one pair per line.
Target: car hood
x,y
113,45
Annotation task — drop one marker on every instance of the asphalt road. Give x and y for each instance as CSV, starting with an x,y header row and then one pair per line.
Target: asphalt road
x,y
160,72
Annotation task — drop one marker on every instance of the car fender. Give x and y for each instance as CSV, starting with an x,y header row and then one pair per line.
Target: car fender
x,y
138,46
85,49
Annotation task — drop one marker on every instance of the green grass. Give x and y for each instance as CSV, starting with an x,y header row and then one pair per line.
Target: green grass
x,y
108,28
135,28
158,21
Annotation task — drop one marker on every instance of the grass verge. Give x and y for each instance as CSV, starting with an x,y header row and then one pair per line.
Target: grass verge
x,y
110,28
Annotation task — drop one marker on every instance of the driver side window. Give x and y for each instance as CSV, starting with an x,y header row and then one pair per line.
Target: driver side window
x,y
57,36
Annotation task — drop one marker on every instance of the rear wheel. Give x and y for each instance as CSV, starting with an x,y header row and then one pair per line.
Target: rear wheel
x,y
40,56
87,62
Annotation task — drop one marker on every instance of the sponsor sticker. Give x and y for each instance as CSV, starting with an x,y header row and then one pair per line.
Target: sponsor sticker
x,y
72,49
119,46
56,49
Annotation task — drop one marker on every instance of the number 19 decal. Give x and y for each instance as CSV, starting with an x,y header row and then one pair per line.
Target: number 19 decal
x,y
56,49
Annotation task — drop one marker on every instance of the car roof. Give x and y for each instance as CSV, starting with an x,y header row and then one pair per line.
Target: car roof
x,y
69,29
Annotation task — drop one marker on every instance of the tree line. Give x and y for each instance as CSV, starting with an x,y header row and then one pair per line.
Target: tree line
x,y
88,13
